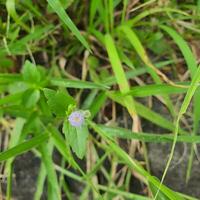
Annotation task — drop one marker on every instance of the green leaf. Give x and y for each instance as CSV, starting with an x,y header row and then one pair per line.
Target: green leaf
x,y
23,147
147,137
9,78
58,101
147,113
59,10
30,98
76,84
20,46
161,195
77,138
119,74
186,51
188,97
30,73
12,98
53,187
133,164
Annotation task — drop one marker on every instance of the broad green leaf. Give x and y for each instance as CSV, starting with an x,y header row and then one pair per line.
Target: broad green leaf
x,y
77,138
58,101
30,98
30,73
62,147
60,11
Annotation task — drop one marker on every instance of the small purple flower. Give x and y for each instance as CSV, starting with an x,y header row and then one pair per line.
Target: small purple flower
x,y
76,118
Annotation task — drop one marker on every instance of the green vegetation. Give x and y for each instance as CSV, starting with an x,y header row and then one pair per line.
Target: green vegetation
x,y
78,82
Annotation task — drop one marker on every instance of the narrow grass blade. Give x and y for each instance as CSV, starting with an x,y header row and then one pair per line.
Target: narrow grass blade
x,y
146,13
12,98
23,147
119,74
9,78
77,84
10,5
14,140
59,10
183,46
147,113
192,66
40,182
183,109
133,164
147,137
53,187
20,46
137,45
155,89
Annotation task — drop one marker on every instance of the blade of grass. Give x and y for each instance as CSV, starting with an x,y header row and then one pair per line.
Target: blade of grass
x,y
148,12
101,187
59,10
134,73
133,164
183,109
192,66
20,46
53,187
137,45
40,182
147,113
147,137
155,89
119,74
23,147
12,98
14,140
10,5
76,84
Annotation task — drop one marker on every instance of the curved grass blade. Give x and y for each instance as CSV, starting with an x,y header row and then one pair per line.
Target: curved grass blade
x,y
59,10
119,74
147,113
155,89
10,5
77,84
23,147
137,45
146,13
183,109
192,66
133,164
147,137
